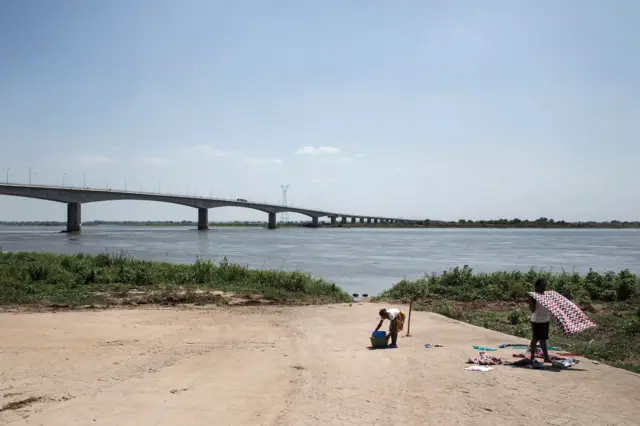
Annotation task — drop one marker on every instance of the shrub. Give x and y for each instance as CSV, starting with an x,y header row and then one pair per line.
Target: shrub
x,y
462,284
33,277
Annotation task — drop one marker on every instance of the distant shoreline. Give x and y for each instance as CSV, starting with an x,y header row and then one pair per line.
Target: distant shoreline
x,y
503,224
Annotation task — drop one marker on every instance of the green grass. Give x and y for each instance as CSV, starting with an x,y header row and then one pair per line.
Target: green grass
x,y
72,280
498,301
462,284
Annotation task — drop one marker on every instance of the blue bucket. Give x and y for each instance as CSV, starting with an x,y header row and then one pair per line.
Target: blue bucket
x,y
379,334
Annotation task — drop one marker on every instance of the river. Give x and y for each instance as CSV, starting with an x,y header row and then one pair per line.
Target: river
x,y
360,260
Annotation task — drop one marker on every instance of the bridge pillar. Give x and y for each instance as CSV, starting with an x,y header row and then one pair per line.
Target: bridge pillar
x,y
361,220
272,221
74,217
375,221
203,219
314,221
368,220
344,220
353,220
333,220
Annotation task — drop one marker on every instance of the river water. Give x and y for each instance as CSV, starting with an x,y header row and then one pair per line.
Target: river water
x,y
360,260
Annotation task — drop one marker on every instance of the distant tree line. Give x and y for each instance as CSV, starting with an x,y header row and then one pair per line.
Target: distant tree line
x,y
132,223
542,222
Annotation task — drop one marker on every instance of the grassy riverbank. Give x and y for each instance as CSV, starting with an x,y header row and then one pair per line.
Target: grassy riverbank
x,y
74,280
498,301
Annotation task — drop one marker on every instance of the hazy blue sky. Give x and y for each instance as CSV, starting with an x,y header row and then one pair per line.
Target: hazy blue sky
x,y
426,109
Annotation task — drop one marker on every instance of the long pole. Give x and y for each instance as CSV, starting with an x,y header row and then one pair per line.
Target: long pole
x,y
29,175
63,176
8,174
84,180
409,320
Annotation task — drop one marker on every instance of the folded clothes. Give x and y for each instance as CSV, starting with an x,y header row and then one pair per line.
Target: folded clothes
x,y
535,364
570,362
484,358
484,348
539,354
479,368
523,346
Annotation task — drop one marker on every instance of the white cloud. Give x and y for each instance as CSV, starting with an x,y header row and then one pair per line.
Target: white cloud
x,y
155,161
90,160
258,161
209,151
309,150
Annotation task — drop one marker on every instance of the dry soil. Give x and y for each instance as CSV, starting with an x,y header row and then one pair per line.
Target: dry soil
x,y
282,366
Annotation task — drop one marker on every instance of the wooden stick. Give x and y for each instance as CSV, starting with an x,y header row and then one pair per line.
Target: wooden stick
x,y
409,319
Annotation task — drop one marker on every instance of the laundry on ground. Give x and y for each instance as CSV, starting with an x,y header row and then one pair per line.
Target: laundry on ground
x,y
484,358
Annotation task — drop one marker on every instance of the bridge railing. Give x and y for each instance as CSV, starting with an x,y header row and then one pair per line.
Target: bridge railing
x,y
184,195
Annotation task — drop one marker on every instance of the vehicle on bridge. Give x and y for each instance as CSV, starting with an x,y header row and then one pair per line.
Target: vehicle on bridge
x,y
241,199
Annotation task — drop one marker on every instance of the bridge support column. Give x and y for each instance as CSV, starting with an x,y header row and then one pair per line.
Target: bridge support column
x,y
203,219
361,220
375,221
344,220
272,221
368,220
333,220
314,222
353,220
74,217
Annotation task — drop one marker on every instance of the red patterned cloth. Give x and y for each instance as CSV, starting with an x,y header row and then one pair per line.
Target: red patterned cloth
x,y
566,314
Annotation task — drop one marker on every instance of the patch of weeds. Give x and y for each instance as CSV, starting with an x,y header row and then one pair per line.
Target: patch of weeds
x,y
73,280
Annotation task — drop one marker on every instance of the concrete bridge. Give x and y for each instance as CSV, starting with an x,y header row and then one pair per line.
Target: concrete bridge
x,y
74,198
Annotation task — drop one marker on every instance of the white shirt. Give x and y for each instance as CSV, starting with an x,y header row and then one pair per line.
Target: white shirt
x,y
541,313
393,313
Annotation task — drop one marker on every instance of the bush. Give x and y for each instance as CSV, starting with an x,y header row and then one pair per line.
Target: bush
x,y
37,277
449,310
462,284
519,317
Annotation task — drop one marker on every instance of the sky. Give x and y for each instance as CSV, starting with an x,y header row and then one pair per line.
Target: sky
x,y
419,109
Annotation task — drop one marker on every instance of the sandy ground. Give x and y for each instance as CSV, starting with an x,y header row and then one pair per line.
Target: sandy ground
x,y
288,366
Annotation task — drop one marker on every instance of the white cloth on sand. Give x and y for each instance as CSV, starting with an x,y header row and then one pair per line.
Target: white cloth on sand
x,y
479,368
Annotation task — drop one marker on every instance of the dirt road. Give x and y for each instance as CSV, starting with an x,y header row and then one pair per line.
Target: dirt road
x,y
281,366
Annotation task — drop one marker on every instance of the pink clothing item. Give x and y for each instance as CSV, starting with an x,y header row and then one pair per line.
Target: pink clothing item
x,y
568,316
